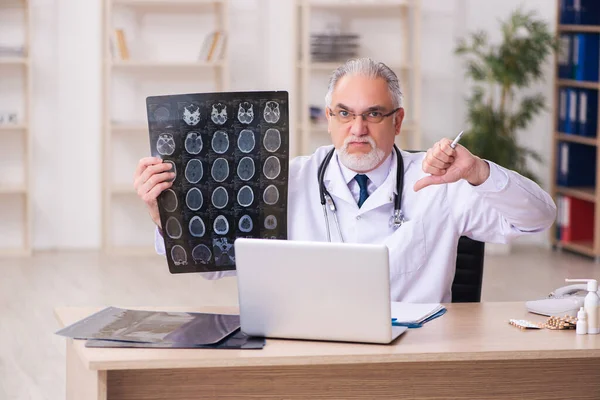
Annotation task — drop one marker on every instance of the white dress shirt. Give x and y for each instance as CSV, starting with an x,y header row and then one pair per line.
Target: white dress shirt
x,y
423,250
376,177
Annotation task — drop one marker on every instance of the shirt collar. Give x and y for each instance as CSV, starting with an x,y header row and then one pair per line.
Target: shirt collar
x,y
377,176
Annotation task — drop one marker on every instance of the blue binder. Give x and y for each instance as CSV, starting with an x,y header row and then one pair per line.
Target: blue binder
x,y
586,64
588,112
571,112
576,165
590,12
564,56
562,109
566,11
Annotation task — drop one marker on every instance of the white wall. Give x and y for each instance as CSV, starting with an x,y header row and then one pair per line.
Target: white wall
x,y
67,79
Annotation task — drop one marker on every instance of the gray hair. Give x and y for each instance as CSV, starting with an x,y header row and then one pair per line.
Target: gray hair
x,y
371,69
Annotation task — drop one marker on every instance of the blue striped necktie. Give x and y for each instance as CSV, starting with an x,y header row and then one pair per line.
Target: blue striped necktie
x,y
362,184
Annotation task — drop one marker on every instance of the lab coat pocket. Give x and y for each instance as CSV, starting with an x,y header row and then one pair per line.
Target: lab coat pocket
x,y
407,248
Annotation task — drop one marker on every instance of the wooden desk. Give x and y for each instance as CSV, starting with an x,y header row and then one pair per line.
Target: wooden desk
x,y
469,353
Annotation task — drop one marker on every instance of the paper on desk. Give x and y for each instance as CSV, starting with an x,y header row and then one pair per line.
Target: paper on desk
x,y
414,313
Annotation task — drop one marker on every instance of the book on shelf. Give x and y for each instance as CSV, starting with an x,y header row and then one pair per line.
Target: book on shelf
x,y
579,12
578,56
578,111
213,47
574,220
576,165
12,51
118,45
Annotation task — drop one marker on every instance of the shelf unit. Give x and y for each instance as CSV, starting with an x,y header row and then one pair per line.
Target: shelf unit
x,y
169,67
584,247
15,196
401,54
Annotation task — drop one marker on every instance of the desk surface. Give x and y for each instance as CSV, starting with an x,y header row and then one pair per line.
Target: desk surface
x,y
468,331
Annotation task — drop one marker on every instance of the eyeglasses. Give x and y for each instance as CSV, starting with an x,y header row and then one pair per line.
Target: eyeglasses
x,y
374,117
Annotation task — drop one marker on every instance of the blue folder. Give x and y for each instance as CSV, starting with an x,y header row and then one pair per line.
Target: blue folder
x,y
420,324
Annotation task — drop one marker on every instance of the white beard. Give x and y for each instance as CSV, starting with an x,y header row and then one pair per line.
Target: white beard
x,y
360,162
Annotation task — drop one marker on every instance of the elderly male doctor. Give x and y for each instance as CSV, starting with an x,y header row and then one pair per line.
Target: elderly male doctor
x,y
447,192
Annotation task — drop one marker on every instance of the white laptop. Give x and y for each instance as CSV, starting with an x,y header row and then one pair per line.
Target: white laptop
x,y
315,290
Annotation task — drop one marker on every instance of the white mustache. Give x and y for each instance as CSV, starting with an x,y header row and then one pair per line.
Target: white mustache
x,y
356,139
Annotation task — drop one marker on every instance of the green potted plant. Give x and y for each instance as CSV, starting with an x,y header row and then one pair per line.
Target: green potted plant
x,y
498,108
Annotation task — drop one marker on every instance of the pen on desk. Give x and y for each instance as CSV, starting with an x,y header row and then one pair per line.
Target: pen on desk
x,y
455,141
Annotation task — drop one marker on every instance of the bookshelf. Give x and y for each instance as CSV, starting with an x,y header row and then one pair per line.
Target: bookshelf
x,y
575,166
15,115
150,47
398,47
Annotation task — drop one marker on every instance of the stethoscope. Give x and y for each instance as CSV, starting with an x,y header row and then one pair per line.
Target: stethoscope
x,y
397,218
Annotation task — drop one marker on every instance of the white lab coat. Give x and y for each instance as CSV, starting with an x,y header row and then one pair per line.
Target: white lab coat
x,y
423,250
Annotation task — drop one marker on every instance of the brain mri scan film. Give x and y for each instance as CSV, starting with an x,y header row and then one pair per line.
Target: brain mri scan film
x,y
221,225
161,115
270,222
197,228
271,195
230,154
220,198
169,200
246,169
193,143
220,142
173,228
218,114
272,140
220,170
245,112
173,169
201,254
272,167
224,254
245,196
246,225
194,171
271,113
179,255
165,145
246,141
194,199
191,114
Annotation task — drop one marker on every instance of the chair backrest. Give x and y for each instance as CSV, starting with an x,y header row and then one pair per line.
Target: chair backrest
x,y
466,287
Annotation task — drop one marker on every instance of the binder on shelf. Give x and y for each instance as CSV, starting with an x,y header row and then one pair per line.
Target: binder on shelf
x,y
589,12
562,110
585,61
576,165
588,113
570,123
566,12
565,55
578,220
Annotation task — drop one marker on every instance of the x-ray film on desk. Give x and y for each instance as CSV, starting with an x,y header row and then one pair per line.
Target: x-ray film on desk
x,y
230,154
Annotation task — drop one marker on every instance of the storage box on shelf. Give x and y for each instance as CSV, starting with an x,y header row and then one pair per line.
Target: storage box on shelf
x,y
151,47
387,31
575,136
15,94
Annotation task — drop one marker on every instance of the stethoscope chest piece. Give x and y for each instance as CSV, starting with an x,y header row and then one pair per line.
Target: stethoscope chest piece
x,y
397,219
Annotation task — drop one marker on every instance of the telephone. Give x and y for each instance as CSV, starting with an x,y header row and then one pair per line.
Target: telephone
x,y
563,301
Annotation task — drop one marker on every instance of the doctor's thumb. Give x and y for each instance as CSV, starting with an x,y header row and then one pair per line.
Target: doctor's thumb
x,y
426,181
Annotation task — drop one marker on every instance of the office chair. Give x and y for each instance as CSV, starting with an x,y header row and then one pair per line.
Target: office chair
x,y
466,287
